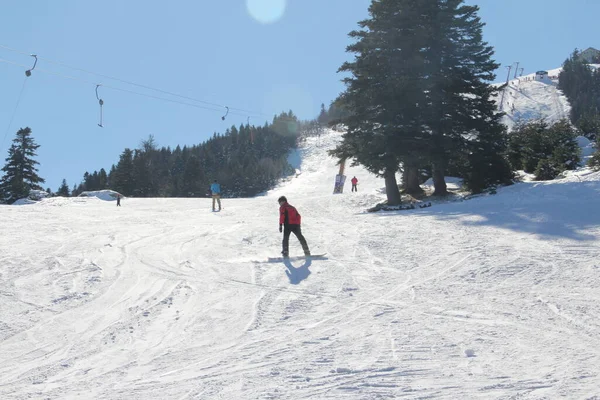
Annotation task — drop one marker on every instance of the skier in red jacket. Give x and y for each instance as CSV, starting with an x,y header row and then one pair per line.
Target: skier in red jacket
x,y
289,221
354,183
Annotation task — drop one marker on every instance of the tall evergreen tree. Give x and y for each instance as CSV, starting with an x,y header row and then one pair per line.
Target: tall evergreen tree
x,y
102,179
594,161
419,93
63,190
193,183
123,181
458,69
323,117
384,92
21,174
581,84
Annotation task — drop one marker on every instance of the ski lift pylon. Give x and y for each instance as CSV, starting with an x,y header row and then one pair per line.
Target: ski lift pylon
x,y
28,72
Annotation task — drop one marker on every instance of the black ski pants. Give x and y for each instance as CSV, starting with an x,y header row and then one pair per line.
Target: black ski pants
x,y
287,230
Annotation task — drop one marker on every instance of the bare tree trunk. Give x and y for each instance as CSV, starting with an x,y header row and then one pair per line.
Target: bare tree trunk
x,y
410,178
391,188
439,183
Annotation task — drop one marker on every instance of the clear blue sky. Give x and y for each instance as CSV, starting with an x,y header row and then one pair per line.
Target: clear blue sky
x,y
261,56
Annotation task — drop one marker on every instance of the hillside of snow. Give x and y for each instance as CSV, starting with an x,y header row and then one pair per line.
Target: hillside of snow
x,y
528,98
496,297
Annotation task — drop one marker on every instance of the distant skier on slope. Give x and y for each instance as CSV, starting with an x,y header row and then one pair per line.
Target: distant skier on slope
x,y
118,200
289,221
215,190
354,183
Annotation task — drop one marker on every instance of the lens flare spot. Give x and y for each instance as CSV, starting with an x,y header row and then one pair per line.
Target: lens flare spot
x,y
266,11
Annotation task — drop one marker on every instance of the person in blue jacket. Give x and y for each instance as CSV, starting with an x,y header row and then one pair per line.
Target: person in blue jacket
x,y
215,190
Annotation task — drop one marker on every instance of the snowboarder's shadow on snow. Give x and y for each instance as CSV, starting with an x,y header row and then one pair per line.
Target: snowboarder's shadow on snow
x,y
297,275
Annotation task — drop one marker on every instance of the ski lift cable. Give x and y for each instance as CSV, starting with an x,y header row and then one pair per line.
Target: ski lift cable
x,y
124,90
133,83
12,117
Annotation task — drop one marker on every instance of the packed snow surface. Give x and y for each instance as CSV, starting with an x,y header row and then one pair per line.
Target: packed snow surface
x,y
497,297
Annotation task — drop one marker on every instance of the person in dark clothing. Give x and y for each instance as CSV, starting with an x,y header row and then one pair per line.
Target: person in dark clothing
x,y
354,183
289,222
118,200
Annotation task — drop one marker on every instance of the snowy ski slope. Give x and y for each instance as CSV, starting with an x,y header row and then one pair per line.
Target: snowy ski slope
x,y
493,298
526,99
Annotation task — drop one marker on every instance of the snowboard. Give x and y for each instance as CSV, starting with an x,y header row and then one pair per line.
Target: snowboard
x,y
296,258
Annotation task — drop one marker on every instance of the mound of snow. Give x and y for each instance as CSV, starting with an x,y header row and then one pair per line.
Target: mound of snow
x,y
108,195
524,176
38,194
587,148
24,201
33,197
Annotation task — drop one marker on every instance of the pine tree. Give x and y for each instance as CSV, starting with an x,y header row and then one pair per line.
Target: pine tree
x,y
384,93
544,150
566,154
21,175
193,182
594,162
458,69
122,181
581,84
336,113
487,164
102,180
88,183
419,93
323,118
63,190
142,174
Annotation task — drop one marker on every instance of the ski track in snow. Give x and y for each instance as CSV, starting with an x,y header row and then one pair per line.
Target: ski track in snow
x,y
496,297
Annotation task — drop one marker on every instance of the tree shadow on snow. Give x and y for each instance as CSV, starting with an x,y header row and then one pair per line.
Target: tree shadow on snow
x,y
297,275
566,210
